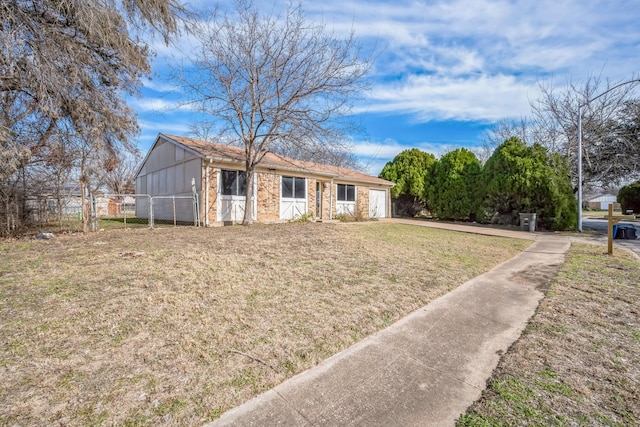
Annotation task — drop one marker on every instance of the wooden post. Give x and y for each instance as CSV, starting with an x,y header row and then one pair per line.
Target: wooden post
x,y
610,230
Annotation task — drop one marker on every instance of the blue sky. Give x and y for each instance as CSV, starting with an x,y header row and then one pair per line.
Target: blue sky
x,y
444,70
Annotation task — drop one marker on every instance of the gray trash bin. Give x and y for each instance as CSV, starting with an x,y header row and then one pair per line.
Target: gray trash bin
x,y
528,222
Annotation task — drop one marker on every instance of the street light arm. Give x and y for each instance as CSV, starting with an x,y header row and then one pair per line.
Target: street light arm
x,y
606,92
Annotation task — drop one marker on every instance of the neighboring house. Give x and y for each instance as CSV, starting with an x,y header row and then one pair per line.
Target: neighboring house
x,y
602,202
285,188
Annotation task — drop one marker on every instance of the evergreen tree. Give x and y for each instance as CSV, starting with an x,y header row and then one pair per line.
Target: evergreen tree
x,y
409,170
519,178
629,197
454,190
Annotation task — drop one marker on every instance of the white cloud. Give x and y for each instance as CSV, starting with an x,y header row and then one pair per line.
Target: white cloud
x,y
484,57
465,60
159,86
374,155
159,105
482,98
176,51
388,149
172,127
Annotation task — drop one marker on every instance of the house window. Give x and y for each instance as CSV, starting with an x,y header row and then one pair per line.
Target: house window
x,y
294,187
346,193
234,183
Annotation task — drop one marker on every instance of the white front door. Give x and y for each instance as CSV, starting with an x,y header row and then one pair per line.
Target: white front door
x,y
377,204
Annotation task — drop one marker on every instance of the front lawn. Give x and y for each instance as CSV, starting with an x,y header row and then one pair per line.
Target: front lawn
x,y
175,326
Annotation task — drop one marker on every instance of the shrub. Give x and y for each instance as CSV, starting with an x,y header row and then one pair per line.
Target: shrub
x,y
629,197
409,170
454,190
520,178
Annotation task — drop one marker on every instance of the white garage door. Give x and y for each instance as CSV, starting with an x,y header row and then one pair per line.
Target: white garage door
x,y
377,204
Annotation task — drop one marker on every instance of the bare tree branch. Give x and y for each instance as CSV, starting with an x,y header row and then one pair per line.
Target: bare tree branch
x,y
274,83
65,65
610,129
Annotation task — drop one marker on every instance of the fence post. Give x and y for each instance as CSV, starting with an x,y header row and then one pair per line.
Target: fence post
x,y
93,214
196,211
175,224
150,212
124,211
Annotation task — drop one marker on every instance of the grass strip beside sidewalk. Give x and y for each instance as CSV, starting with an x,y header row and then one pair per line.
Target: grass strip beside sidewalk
x,y
578,361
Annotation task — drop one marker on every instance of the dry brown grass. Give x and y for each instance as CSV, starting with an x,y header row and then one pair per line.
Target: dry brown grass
x,y
175,326
578,362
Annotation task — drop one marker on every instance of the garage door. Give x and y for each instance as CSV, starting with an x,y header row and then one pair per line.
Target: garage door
x,y
377,204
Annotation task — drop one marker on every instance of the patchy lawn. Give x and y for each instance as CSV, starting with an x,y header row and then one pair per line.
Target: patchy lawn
x,y
176,326
578,362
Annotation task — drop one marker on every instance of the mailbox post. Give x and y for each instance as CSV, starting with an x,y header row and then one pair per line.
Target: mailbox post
x,y
612,220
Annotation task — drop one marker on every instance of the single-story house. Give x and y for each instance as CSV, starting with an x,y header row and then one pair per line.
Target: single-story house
x,y
284,188
602,202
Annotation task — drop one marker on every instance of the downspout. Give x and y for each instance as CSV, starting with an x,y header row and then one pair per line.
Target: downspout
x,y
206,194
331,200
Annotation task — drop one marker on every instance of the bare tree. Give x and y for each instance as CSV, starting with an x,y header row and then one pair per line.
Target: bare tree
x,y
523,129
273,82
203,130
338,154
64,66
610,129
120,179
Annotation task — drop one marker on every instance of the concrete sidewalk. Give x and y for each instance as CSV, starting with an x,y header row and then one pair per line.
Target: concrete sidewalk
x,y
465,228
425,369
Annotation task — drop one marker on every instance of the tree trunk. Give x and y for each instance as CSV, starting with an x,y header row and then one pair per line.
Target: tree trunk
x,y
248,204
83,205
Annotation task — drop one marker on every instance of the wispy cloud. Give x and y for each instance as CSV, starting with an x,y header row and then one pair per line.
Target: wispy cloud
x,y
160,105
433,97
389,148
466,61
161,86
482,60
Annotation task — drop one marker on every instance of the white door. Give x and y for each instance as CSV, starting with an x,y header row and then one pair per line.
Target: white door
x,y
377,204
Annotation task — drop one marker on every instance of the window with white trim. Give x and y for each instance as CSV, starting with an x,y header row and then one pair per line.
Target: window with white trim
x,y
346,193
293,187
234,183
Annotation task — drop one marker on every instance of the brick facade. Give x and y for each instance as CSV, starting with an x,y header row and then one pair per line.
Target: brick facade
x,y
213,195
311,197
268,196
362,201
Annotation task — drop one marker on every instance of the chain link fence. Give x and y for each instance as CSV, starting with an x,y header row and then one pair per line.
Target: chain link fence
x,y
103,212
143,210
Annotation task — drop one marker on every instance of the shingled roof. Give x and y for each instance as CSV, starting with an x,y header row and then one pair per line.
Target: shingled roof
x,y
228,153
